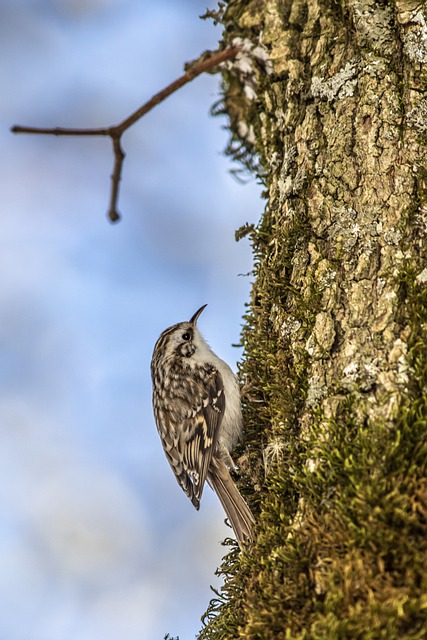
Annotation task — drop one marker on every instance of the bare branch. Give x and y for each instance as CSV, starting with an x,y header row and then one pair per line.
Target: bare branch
x,y
119,156
62,131
208,61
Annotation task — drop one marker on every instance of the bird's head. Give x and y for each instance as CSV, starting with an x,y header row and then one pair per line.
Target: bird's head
x,y
181,339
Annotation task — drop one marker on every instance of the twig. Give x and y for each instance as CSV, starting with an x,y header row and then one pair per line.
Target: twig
x,y
119,156
206,62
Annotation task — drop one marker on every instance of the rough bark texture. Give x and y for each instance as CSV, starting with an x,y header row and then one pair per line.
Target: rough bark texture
x,y
334,461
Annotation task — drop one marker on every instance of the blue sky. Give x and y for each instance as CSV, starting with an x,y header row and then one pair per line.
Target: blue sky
x,y
97,541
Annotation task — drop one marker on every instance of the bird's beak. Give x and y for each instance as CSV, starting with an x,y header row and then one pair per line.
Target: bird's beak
x,y
195,317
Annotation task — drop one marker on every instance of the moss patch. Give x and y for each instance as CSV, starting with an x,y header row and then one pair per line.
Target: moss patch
x,y
341,544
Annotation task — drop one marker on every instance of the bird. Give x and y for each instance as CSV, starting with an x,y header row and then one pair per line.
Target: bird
x,y
197,410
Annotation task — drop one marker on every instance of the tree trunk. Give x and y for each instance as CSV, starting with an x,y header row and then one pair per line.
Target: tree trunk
x,y
335,368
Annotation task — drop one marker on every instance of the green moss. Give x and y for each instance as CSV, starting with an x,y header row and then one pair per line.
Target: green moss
x,y
275,374
352,563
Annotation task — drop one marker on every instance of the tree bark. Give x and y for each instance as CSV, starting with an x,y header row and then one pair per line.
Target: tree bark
x,y
334,460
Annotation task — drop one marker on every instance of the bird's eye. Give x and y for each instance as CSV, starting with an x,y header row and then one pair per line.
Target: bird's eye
x,y
186,336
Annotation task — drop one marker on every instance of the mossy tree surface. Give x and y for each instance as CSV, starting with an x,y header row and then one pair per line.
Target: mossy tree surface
x,y
334,460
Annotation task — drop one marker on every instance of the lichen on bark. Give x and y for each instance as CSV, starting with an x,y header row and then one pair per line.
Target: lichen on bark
x,y
335,364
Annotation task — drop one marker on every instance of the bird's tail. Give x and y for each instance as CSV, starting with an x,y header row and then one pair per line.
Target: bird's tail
x,y
238,512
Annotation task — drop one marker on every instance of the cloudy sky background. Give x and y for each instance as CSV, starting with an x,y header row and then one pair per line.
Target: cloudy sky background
x,y
97,541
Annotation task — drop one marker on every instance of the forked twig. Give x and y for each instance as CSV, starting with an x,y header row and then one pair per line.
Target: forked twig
x,y
206,62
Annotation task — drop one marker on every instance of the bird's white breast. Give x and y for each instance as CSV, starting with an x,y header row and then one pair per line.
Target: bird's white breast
x,y
231,425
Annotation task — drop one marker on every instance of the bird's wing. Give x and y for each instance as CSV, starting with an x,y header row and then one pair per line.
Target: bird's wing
x,y
189,439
